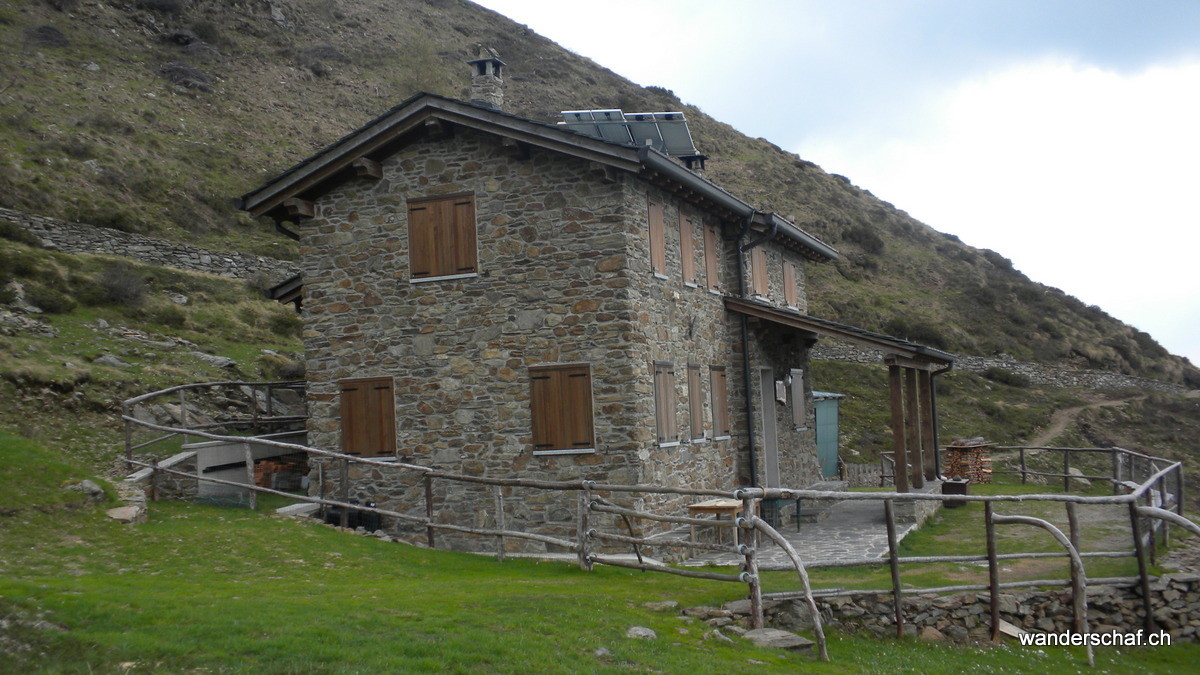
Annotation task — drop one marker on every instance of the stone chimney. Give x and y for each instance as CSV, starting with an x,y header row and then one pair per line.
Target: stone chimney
x,y
487,78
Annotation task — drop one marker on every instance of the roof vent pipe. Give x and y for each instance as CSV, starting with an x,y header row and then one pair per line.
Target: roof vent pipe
x,y
487,78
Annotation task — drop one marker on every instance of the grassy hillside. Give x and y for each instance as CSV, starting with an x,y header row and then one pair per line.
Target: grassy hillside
x,y
206,589
150,115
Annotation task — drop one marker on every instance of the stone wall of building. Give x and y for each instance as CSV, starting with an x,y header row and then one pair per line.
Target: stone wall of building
x,y
60,235
1042,374
551,287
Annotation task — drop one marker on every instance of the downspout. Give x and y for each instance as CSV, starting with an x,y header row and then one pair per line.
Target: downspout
x,y
937,456
746,376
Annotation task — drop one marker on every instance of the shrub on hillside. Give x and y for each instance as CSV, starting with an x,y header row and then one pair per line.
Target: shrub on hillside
x,y
122,286
48,300
286,323
866,238
997,374
13,232
168,315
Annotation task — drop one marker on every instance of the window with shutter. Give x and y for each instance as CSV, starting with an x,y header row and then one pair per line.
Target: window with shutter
x,y
560,400
799,407
664,403
695,403
687,250
368,417
712,258
790,291
658,240
720,401
758,271
442,237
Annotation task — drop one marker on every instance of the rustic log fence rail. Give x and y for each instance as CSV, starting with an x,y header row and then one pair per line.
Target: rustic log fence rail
x,y
1152,506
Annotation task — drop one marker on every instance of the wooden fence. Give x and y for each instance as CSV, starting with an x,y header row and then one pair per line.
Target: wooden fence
x,y
1160,507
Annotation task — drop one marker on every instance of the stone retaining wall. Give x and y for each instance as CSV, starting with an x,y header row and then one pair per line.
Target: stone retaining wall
x,y
1038,373
67,237
1175,599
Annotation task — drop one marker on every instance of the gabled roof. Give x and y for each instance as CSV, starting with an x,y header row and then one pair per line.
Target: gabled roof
x,y
381,137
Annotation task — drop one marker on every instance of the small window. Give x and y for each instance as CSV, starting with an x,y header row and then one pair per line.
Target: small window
x,y
791,292
664,403
658,240
695,403
712,257
442,237
758,271
720,401
799,407
368,417
560,400
687,250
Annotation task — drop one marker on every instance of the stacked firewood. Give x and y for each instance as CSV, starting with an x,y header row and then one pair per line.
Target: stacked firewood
x,y
971,460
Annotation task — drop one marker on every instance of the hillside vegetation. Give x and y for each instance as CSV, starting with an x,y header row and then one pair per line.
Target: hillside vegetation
x,y
149,115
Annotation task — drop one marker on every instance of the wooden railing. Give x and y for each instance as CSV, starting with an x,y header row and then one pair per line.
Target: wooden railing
x,y
1161,506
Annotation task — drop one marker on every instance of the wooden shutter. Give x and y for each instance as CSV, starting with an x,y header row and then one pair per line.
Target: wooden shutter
x,y
687,250
368,417
799,408
790,294
664,403
658,239
560,400
720,401
442,237
712,257
695,403
758,270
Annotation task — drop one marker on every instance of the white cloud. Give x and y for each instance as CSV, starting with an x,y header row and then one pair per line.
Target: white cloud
x,y
1084,177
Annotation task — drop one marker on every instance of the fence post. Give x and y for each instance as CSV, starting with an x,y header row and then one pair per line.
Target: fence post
x,y
1153,535
1116,470
1066,469
1135,527
993,571
128,437
1179,488
1073,523
429,511
1023,477
345,492
253,496
585,507
154,482
756,606
270,402
183,416
253,409
499,523
1162,503
889,515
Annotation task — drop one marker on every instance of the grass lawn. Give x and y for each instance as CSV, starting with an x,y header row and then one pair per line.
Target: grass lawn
x,y
230,590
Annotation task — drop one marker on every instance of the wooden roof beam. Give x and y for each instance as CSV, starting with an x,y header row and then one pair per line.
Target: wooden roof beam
x,y
367,168
299,208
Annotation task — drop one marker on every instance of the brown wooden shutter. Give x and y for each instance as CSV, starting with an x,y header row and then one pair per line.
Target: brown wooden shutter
x,y
465,246
664,403
368,417
789,284
758,270
720,401
799,409
442,237
560,400
422,220
658,239
695,403
687,250
712,257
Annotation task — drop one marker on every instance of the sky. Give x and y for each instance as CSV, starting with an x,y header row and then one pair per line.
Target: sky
x,y
1063,134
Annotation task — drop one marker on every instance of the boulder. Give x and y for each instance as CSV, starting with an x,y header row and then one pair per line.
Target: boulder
x,y
93,491
130,515
777,639
641,633
664,606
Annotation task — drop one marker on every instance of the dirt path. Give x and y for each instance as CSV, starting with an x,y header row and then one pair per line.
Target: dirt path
x,y
1061,419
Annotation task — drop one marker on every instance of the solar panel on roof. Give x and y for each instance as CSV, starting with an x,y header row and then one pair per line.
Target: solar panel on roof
x,y
664,131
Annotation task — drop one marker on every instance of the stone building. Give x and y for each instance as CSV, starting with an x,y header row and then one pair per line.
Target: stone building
x,y
493,295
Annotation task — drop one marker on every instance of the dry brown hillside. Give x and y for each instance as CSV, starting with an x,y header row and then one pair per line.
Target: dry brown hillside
x,y
150,115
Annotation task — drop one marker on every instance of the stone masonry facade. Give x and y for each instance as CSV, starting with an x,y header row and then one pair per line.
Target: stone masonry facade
x,y
564,276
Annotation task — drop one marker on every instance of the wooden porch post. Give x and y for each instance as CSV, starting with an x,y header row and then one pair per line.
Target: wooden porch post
x,y
926,399
912,424
898,433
